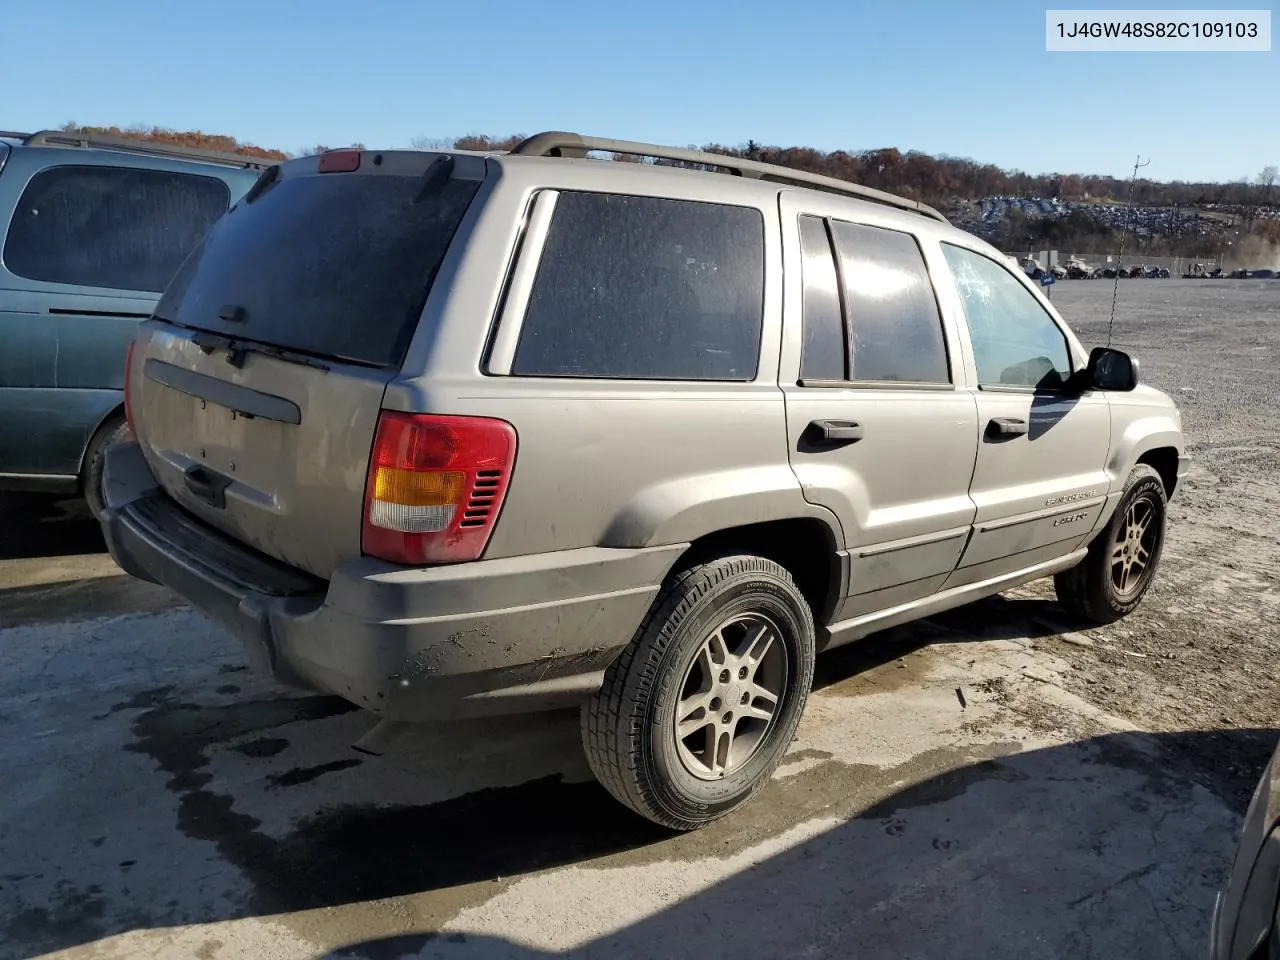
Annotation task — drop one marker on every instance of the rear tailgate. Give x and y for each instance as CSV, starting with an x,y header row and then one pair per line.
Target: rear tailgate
x,y
255,391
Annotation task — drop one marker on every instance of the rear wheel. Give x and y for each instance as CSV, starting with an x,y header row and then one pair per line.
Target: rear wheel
x,y
110,433
1112,580
698,711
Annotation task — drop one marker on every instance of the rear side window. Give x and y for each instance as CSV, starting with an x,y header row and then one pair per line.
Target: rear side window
x,y
894,325
333,264
115,227
646,288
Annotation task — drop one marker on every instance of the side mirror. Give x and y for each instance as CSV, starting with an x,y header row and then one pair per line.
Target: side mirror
x,y
1110,369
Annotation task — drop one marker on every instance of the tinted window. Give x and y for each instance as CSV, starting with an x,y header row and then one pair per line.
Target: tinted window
x,y
1015,341
894,325
645,288
113,227
331,264
824,350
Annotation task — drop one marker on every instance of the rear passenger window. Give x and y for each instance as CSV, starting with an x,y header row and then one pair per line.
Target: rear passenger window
x,y
894,325
646,288
823,356
114,227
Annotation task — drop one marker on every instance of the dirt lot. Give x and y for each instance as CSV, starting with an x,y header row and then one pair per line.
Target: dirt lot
x,y
1202,651
995,783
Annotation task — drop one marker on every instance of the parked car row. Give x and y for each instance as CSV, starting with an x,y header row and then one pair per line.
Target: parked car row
x,y
1077,269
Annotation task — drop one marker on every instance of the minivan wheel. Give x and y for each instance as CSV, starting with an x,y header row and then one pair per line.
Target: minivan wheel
x,y
698,710
1122,560
110,433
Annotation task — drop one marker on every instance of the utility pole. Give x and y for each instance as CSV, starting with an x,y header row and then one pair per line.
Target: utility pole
x,y
1128,220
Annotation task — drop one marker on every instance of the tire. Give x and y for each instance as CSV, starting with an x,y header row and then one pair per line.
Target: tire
x,y
113,431
629,728
1090,589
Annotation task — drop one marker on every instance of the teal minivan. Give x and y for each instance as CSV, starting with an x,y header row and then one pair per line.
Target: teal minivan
x,y
91,230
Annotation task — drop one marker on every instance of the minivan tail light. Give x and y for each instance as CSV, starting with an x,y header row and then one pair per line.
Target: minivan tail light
x,y
435,486
128,402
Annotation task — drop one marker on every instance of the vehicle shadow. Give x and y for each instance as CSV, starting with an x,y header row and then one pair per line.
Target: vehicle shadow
x,y
44,525
992,618
1013,855
1094,850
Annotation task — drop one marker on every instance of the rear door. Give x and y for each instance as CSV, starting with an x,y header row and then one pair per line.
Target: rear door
x,y
879,432
88,247
1040,482
257,390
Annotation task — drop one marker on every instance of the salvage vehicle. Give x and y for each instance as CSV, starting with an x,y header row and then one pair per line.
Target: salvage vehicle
x,y
1077,269
450,434
1246,914
92,228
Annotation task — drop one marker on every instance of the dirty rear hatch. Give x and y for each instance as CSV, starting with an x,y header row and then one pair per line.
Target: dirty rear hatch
x,y
255,391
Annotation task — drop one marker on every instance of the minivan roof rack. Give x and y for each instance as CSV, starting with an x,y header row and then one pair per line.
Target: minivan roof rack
x,y
61,138
555,143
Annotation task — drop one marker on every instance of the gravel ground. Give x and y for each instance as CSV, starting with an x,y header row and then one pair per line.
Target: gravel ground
x,y
1201,651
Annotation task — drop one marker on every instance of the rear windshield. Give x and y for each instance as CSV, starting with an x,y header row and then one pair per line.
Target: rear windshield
x,y
337,265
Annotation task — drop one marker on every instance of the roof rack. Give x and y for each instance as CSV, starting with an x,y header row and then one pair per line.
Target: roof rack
x,y
63,139
555,143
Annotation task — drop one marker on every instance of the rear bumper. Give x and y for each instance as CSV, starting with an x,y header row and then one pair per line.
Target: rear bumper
x,y
494,636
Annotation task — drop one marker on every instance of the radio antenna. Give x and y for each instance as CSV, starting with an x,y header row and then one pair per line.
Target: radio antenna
x,y
1138,164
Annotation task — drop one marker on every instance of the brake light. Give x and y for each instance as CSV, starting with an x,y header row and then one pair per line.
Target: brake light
x,y
128,405
339,161
435,486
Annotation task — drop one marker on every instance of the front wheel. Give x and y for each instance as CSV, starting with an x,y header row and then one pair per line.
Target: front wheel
x,y
1117,572
697,712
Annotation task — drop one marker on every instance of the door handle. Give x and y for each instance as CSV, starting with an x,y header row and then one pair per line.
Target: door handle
x,y
836,431
1006,427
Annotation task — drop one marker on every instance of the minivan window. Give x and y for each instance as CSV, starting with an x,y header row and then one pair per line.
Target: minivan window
x,y
1015,341
895,328
646,288
823,354
331,264
121,228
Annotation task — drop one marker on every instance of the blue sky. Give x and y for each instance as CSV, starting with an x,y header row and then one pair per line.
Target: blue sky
x,y
945,77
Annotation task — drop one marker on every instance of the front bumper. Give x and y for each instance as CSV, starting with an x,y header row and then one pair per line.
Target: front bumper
x,y
492,636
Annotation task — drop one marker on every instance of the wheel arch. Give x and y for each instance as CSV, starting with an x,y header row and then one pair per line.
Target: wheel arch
x,y
1154,440
807,547
108,421
1164,460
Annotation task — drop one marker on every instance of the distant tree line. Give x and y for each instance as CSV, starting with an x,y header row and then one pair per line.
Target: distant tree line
x,y
936,180
943,179
179,138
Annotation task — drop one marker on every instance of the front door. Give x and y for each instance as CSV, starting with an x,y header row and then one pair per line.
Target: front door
x,y
879,433
1040,483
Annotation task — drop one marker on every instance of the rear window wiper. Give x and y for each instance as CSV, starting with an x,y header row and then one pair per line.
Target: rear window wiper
x,y
238,349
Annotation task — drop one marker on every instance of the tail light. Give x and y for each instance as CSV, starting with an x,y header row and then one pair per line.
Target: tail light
x,y
128,404
435,486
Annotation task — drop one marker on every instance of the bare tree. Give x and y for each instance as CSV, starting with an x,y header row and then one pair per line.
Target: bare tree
x,y
1267,180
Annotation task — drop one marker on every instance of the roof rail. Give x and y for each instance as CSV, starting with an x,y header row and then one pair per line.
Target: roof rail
x,y
556,143
63,139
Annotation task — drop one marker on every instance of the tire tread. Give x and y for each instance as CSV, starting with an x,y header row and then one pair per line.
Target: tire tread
x,y
611,735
